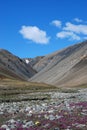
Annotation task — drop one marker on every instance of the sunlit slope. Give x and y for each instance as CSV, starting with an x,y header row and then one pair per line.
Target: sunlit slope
x,y
63,65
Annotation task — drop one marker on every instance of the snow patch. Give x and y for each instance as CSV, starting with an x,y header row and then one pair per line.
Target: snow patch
x,y
27,61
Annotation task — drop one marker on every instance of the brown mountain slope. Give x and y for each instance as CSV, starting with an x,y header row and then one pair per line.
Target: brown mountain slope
x,y
57,66
13,67
76,76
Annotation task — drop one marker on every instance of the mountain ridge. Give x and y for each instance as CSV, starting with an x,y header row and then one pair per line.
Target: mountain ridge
x,y
63,68
13,67
60,64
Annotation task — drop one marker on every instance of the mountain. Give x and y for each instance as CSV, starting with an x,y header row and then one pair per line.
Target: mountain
x,y
67,67
64,68
13,67
34,62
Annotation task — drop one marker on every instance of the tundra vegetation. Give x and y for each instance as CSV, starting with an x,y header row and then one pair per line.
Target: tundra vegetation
x,y
38,106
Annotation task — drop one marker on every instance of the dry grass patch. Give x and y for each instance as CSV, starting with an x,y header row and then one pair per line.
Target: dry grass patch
x,y
16,90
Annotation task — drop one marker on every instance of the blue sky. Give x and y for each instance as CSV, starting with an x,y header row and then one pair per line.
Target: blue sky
x,y
30,28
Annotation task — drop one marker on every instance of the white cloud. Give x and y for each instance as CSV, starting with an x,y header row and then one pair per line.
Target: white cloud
x,y
35,34
79,29
66,34
73,31
56,23
78,20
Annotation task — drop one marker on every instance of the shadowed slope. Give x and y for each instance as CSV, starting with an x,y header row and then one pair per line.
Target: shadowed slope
x,y
13,67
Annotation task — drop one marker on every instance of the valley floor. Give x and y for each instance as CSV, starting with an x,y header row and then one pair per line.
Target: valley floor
x,y
64,110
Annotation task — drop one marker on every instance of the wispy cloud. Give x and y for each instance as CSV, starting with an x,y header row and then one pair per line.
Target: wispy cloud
x,y
34,34
78,20
57,23
69,35
79,29
73,31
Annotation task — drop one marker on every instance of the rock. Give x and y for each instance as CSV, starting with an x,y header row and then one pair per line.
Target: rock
x,y
1,113
29,114
11,121
51,117
81,125
5,127
56,128
30,123
58,117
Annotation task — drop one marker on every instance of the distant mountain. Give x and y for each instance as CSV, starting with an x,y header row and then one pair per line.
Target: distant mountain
x,y
67,67
64,68
13,67
34,62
